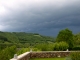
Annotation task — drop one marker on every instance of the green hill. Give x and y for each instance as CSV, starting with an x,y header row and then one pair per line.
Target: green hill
x,y
23,39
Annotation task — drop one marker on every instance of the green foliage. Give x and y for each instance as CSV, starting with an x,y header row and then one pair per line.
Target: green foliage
x,y
66,36
35,49
76,39
22,39
42,47
61,46
7,53
75,55
3,38
23,50
76,48
9,37
33,38
45,46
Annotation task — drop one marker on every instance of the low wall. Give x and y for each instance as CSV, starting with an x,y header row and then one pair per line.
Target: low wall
x,y
44,54
49,54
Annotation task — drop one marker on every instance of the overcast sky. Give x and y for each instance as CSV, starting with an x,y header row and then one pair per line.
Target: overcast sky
x,y
46,17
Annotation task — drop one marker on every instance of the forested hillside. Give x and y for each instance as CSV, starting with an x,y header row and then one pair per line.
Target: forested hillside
x,y
22,39
20,42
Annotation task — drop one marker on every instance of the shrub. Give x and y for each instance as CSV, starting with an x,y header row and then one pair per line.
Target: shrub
x,y
61,46
23,50
58,46
76,48
7,53
35,49
75,55
42,47
50,47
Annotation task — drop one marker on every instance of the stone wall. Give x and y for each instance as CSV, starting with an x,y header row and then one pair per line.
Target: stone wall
x,y
49,54
44,54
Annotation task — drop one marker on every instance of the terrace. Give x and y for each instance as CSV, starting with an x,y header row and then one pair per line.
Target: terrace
x,y
42,54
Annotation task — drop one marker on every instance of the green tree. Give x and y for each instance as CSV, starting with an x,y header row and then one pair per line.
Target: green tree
x,y
66,36
7,53
42,46
60,46
76,39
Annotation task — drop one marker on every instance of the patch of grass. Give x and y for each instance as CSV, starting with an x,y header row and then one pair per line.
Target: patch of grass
x,y
47,59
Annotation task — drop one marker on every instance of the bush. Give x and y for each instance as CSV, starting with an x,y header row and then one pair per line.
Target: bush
x,y
45,47
42,47
35,49
23,50
61,46
7,53
76,48
50,47
75,55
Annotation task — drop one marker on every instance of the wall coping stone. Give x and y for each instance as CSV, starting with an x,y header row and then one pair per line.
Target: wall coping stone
x,y
52,51
20,56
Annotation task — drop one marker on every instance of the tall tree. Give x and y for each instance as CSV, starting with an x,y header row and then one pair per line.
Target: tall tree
x,y
66,36
76,39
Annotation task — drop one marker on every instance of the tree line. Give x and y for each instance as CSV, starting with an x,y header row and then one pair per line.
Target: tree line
x,y
22,39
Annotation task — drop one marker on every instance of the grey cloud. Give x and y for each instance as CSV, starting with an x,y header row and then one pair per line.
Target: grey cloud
x,y
43,17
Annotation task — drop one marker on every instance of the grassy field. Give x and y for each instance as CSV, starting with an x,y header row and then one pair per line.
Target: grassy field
x,y
48,59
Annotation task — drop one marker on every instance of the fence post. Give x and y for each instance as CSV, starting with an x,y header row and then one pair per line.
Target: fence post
x,y
30,50
15,57
67,50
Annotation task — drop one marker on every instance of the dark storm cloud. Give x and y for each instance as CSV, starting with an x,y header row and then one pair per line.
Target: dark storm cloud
x,y
45,17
